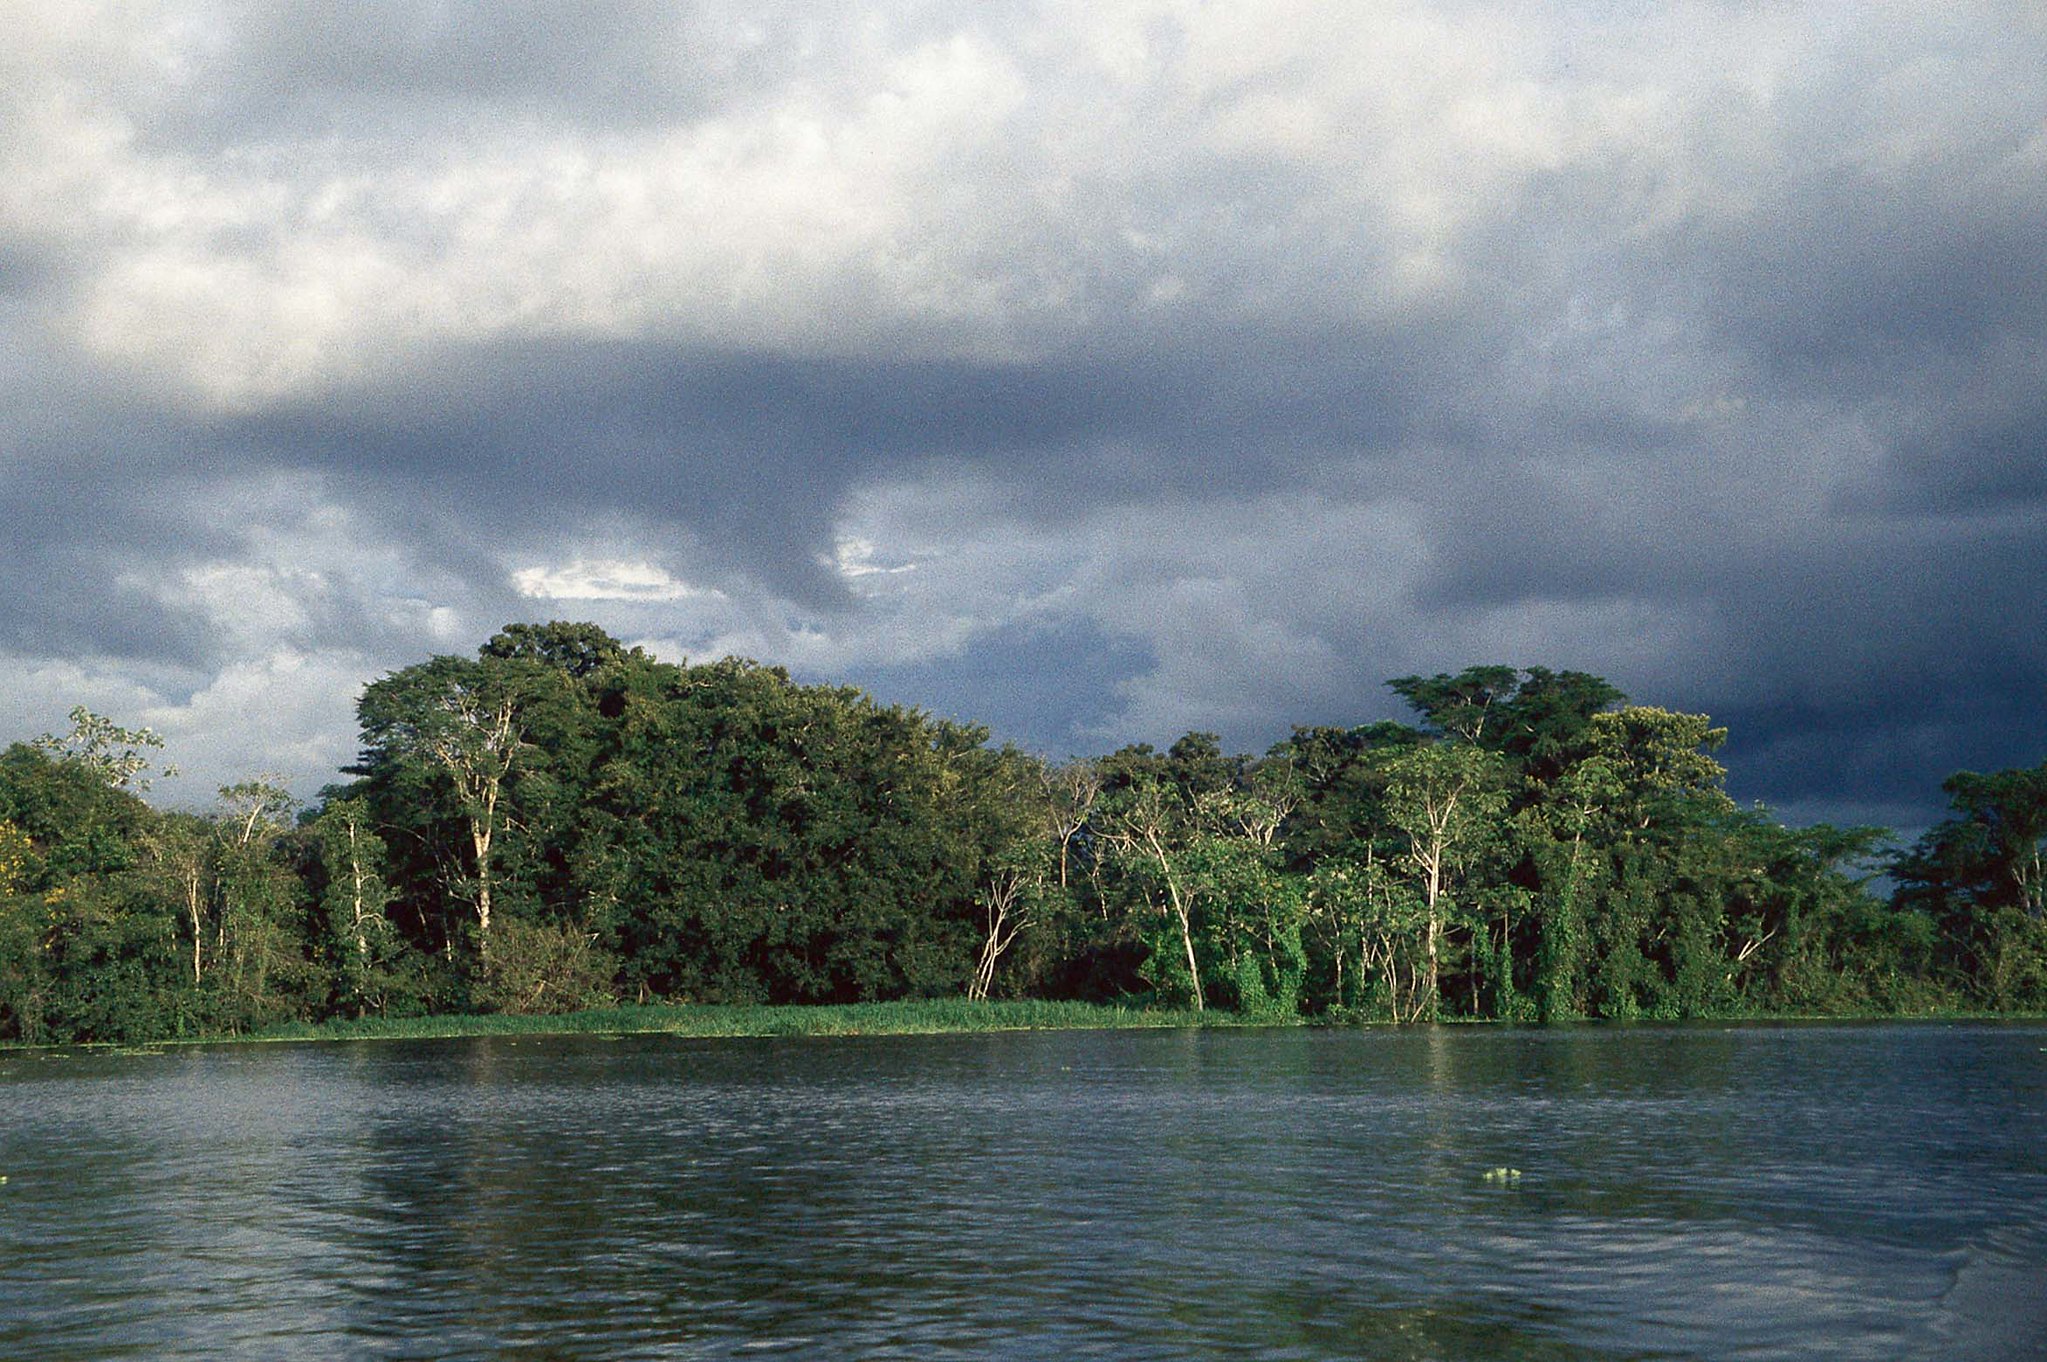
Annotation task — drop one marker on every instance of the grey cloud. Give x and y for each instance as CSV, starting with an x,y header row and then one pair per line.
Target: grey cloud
x,y
1049,686
1754,387
393,70
1865,288
29,273
85,510
389,73
1963,462
755,451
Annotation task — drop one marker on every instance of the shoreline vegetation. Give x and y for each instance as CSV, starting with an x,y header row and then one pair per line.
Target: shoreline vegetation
x,y
562,826
712,1021
907,1017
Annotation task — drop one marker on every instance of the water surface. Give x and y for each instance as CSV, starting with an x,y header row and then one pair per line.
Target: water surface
x,y
1847,1191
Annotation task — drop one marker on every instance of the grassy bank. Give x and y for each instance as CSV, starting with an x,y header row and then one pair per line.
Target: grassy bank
x,y
925,1017
938,1016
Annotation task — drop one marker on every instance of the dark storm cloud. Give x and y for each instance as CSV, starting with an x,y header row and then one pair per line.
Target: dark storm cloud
x,y
1959,463
1884,624
108,493
1857,656
756,451
89,484
1889,664
1050,687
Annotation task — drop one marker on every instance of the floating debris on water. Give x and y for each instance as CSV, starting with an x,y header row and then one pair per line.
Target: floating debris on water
x,y
1503,1175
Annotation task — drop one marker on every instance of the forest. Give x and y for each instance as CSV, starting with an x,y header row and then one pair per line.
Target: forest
x,y
562,822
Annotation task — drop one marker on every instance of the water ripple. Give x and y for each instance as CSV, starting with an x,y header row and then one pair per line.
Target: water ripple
x,y
1817,1192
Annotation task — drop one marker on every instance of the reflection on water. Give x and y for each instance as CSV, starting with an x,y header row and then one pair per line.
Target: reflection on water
x,y
1697,1191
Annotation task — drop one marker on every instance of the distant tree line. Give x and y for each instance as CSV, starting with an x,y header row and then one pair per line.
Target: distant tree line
x,y
562,821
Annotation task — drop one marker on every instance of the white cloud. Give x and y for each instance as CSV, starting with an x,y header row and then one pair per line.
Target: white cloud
x,y
285,713
305,733
604,580
855,558
968,188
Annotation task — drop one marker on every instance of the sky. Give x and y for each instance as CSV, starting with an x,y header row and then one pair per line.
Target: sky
x,y
1098,371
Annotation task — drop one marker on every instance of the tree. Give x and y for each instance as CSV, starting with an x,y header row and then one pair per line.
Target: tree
x,y
763,840
1660,819
1193,840
1562,834
15,851
1803,931
22,986
1661,764
1547,727
1146,828
1368,909
462,720
117,756
1008,900
352,858
179,850
263,971
1998,845
1026,817
1069,792
1981,877
579,651
1536,718
1253,912
1447,799
85,952
561,819
1460,706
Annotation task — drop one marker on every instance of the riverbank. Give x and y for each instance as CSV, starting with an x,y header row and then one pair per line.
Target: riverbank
x,y
933,1016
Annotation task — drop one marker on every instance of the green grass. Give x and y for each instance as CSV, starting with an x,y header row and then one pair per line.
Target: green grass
x,y
927,1017
936,1016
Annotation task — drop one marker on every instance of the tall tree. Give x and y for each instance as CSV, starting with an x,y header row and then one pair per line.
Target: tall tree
x,y
580,651
352,859
1466,705
1147,824
461,720
1658,920
179,848
1981,877
1447,798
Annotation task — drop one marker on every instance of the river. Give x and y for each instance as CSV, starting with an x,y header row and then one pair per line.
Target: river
x,y
1680,1191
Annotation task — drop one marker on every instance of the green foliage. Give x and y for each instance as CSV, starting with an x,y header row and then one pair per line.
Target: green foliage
x,y
15,853
561,822
374,969
1447,800
115,756
932,1016
542,968
721,831
1980,881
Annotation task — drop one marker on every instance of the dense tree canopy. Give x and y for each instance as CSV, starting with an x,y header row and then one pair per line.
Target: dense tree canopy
x,y
561,821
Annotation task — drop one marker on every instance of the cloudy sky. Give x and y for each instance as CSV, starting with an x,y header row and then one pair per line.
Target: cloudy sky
x,y
1097,369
